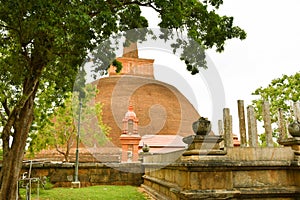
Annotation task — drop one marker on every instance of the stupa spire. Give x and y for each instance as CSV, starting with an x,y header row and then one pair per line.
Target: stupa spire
x,y
131,51
133,65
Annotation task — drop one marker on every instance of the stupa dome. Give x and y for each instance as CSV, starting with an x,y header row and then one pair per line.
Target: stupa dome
x,y
160,107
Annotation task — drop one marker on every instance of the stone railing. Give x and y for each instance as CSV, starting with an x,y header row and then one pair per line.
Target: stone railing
x,y
209,169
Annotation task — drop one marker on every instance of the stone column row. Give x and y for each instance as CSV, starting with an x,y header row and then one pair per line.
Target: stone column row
x,y
252,126
225,126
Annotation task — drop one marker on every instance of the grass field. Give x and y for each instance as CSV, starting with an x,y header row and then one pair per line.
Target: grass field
x,y
90,193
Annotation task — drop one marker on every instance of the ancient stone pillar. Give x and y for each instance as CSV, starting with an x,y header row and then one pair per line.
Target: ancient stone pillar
x,y
242,123
252,127
228,139
267,123
220,127
297,110
281,126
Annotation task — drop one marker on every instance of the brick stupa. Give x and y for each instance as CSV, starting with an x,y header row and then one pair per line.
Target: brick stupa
x,y
160,107
162,110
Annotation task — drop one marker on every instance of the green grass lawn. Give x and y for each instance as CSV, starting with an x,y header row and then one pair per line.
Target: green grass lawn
x,y
90,193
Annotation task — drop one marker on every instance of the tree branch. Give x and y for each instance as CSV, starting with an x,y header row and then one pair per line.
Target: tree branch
x,y
125,3
58,150
5,106
148,4
2,117
10,28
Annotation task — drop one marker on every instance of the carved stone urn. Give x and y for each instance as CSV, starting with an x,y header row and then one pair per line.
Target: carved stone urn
x,y
202,126
145,148
294,129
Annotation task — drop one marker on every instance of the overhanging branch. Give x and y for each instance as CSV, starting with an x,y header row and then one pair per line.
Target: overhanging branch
x,y
125,3
148,4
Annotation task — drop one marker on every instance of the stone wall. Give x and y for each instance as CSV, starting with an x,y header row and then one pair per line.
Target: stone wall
x,y
240,173
214,169
62,174
233,173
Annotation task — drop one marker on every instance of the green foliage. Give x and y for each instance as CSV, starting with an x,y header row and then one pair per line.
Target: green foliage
x,y
95,132
201,21
37,186
60,131
281,92
104,192
46,41
46,184
118,65
263,141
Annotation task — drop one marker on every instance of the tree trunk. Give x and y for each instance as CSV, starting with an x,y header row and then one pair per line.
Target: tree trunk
x,y
66,157
21,120
65,154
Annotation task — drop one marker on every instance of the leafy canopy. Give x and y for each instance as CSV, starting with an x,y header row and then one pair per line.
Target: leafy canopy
x,y
48,40
281,93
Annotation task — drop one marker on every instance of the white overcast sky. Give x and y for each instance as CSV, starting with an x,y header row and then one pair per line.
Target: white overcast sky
x,y
270,50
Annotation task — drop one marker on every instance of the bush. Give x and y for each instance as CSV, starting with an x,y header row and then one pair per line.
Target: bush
x,y
46,184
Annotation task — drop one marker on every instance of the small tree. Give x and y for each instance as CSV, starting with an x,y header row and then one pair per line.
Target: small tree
x,y
281,93
60,131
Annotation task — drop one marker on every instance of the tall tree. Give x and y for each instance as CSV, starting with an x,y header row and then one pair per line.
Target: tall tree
x,y
281,93
43,43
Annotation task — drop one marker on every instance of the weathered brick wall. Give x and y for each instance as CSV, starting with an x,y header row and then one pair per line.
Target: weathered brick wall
x,y
160,108
62,174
